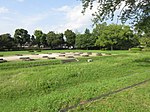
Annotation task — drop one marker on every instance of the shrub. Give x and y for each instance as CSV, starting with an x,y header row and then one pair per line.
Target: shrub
x,y
135,49
31,50
38,50
107,53
146,49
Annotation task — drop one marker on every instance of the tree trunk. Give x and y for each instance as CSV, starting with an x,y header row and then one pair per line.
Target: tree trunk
x,y
111,47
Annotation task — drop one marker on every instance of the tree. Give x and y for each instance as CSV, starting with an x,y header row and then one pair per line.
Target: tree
x,y
136,10
6,41
86,40
143,26
21,37
33,40
51,36
38,34
43,40
55,40
108,36
70,38
115,36
127,38
145,40
143,29
60,39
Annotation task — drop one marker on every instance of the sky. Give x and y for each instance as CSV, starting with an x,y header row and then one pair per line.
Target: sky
x,y
45,15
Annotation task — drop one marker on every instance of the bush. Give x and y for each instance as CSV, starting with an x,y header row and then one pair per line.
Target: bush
x,y
135,49
31,50
146,49
38,50
107,53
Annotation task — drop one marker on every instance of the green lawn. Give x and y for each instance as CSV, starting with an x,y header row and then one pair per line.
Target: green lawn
x,y
51,86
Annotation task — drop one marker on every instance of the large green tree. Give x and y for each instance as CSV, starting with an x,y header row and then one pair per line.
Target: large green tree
x,y
21,37
115,36
127,38
70,38
6,42
60,40
32,40
145,40
143,29
55,40
86,40
43,40
135,10
40,37
51,39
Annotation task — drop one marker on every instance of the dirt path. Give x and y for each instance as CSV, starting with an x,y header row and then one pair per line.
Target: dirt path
x,y
40,56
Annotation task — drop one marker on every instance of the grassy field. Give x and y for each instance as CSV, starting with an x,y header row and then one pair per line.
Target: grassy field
x,y
12,53
48,86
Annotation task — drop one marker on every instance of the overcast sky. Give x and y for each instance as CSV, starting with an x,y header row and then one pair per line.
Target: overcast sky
x,y
45,15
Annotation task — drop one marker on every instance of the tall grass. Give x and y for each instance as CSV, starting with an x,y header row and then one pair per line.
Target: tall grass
x,y
52,87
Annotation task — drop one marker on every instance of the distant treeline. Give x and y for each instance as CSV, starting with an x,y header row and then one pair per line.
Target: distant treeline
x,y
103,36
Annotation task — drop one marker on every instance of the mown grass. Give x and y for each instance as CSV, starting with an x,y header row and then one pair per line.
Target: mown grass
x,y
55,86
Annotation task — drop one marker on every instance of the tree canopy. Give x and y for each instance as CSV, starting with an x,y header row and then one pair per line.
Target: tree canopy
x,y
39,37
70,37
114,36
86,40
136,10
21,37
103,36
6,41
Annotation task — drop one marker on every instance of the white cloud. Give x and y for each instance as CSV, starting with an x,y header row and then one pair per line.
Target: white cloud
x,y
14,20
70,18
4,10
75,20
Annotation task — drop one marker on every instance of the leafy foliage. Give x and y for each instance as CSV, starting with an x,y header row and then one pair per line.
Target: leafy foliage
x,y
6,41
86,40
33,40
135,49
51,38
70,38
115,36
21,37
39,37
136,10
